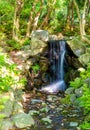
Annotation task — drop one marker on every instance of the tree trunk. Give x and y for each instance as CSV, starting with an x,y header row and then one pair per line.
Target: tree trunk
x,y
45,20
82,18
36,19
72,16
18,8
82,21
30,21
68,17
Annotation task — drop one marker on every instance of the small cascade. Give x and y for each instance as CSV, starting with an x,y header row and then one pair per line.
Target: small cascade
x,y
56,55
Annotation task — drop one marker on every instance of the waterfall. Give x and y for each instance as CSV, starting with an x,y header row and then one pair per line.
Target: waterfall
x,y
62,51
56,56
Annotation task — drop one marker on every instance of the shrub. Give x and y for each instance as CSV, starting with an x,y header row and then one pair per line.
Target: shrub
x,y
84,101
10,79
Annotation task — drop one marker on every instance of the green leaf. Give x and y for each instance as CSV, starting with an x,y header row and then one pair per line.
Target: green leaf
x,y
46,120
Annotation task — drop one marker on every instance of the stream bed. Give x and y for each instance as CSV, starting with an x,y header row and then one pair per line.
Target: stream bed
x,y
51,113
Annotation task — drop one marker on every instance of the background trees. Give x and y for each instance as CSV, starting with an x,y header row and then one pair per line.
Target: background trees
x,y
18,18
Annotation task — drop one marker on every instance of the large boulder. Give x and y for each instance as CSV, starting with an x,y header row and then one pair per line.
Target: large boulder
x,y
39,40
85,58
81,50
77,47
41,35
37,46
22,120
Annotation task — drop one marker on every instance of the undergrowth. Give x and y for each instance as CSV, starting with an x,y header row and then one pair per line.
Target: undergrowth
x,y
84,101
10,80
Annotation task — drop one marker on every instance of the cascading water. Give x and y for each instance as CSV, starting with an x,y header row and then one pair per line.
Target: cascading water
x,y
56,55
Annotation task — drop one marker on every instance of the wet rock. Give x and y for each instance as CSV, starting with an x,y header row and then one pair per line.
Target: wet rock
x,y
44,67
50,98
37,82
73,124
44,104
44,64
34,101
44,109
46,120
23,120
45,77
34,112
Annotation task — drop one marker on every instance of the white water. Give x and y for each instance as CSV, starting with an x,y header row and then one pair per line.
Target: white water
x,y
62,51
57,57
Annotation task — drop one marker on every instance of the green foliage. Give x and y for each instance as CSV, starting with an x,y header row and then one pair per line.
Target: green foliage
x,y
85,126
9,79
46,120
6,16
14,44
2,101
9,75
84,101
27,42
76,83
80,81
66,100
35,68
34,112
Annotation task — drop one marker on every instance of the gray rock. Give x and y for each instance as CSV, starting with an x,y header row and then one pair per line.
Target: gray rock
x,y
73,98
50,98
22,120
8,109
37,46
6,124
73,124
88,50
78,92
40,34
77,47
18,107
85,58
34,101
70,90
87,81
53,37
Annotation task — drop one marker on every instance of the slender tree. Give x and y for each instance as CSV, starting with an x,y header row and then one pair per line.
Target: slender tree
x,y
82,19
18,7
